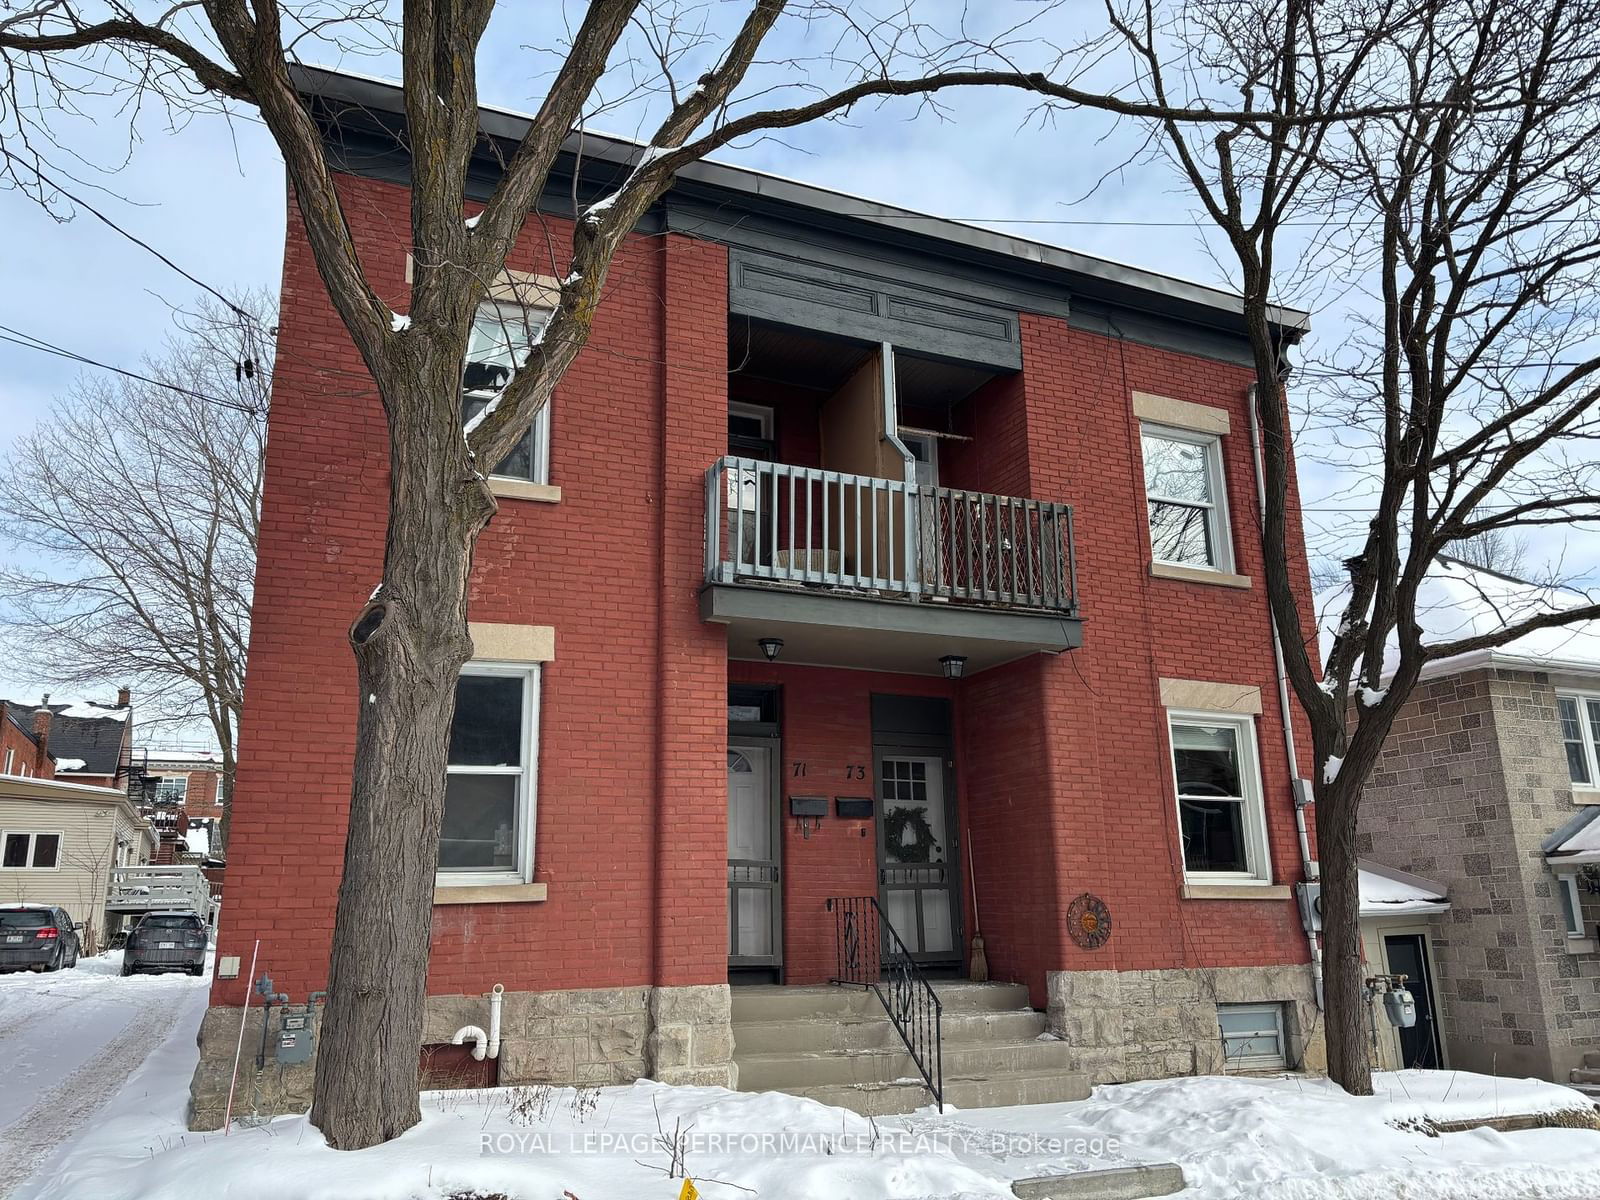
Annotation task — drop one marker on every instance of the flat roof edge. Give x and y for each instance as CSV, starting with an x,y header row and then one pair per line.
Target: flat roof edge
x,y
382,95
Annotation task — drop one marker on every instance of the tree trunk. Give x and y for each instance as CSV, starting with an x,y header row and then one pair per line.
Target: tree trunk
x,y
1349,1057
410,642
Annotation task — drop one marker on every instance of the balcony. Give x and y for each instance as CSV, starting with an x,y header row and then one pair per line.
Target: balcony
x,y
855,570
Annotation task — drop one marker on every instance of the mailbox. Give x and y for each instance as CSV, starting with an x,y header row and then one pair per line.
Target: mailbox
x,y
1400,1007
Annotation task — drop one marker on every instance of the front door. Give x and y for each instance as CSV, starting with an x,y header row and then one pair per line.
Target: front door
x,y
753,902
1408,956
916,855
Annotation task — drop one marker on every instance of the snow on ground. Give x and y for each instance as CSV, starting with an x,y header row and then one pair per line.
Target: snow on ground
x,y
1285,1138
70,1039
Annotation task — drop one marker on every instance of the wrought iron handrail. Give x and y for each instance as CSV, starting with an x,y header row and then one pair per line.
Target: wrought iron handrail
x,y
870,954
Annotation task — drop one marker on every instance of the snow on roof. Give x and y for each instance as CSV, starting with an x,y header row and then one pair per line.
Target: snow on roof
x,y
198,839
183,756
91,711
69,764
1576,842
1386,892
1458,600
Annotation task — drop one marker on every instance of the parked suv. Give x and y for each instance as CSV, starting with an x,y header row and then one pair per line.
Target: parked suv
x,y
37,937
166,941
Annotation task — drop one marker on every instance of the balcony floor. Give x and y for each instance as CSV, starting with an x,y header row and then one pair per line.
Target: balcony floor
x,y
848,629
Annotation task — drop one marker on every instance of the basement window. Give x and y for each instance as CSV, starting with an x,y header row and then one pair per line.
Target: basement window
x,y
1252,1036
502,339
1571,905
491,781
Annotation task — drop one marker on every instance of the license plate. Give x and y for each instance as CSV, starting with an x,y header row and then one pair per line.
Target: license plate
x,y
166,945
14,938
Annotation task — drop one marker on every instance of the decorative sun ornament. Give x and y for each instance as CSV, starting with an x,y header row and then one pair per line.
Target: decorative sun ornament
x,y
1089,921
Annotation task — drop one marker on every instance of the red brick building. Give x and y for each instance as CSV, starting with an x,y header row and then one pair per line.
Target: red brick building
x,y
24,741
860,554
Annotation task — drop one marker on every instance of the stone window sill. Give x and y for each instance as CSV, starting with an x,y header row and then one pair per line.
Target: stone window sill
x,y
1199,575
1582,945
1237,891
1583,797
504,893
505,488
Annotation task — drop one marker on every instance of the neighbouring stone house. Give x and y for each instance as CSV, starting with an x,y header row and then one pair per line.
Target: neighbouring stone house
x,y
1490,787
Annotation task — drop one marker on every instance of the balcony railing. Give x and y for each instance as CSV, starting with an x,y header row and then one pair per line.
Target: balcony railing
x,y
147,889
770,522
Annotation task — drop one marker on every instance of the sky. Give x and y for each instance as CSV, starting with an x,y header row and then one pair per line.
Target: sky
x,y
209,194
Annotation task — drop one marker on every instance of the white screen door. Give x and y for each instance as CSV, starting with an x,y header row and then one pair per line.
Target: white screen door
x,y
752,859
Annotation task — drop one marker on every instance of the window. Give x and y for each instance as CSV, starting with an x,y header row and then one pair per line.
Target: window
x,y
1580,737
30,851
1571,904
490,786
1183,486
172,789
501,340
1252,1036
1219,797
10,757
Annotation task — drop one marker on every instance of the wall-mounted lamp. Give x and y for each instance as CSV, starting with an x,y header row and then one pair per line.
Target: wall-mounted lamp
x,y
954,665
771,647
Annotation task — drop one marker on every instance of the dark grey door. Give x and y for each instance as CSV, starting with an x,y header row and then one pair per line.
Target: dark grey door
x,y
754,916
917,860
1408,956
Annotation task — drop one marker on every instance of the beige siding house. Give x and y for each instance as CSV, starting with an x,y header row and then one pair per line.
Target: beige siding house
x,y
58,843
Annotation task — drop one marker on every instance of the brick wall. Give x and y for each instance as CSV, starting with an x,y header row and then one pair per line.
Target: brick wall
x,y
1063,771
24,751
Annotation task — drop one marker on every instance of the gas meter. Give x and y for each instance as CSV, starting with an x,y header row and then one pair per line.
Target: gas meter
x,y
1400,1007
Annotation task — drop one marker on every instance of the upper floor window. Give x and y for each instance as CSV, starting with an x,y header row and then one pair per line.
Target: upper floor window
x,y
172,789
1183,486
30,851
1580,737
491,781
11,756
1220,814
502,338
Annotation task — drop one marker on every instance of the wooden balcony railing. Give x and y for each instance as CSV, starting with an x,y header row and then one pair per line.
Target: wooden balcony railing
x,y
774,523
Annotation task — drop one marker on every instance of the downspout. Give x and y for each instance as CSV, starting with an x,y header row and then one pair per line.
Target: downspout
x,y
1302,791
891,434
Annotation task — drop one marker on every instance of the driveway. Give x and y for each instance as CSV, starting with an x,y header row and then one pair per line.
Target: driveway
x,y
68,1041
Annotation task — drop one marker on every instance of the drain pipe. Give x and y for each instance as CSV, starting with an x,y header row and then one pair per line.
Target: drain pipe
x,y
1302,787
484,1045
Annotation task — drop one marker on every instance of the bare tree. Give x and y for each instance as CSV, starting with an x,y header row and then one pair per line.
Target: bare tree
x,y
1445,156
141,494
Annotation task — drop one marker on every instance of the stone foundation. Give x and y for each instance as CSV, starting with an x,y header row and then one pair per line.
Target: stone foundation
x,y
679,1035
1127,1025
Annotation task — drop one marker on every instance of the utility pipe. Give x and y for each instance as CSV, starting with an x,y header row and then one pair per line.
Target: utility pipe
x,y
1302,796
484,1045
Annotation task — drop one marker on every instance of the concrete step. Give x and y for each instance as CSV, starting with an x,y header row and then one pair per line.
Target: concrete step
x,y
1585,1075
773,1003
992,1091
872,1031
1591,1090
787,1071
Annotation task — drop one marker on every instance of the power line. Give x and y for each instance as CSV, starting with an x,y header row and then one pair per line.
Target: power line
x,y
30,342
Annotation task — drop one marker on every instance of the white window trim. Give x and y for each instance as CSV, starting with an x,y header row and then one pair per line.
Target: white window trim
x,y
1220,526
1256,1062
1586,731
1257,851
33,835
756,412
541,423
182,799
528,785
1570,884
10,758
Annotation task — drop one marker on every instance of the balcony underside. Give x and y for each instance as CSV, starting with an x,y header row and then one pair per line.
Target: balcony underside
x,y
844,629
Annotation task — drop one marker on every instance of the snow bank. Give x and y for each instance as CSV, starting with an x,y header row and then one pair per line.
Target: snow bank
x,y
1291,1138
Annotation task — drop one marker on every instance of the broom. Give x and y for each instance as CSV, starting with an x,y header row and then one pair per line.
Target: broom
x,y
978,970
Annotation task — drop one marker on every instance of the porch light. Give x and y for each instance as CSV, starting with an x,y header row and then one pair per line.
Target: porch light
x,y
954,665
771,647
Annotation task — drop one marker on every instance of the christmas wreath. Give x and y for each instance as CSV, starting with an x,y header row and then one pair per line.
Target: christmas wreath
x,y
921,845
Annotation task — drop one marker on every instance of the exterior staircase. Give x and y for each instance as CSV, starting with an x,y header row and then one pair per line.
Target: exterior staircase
x,y
837,1045
1587,1077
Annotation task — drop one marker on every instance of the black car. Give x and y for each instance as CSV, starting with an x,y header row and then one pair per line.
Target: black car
x,y
37,937
166,941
